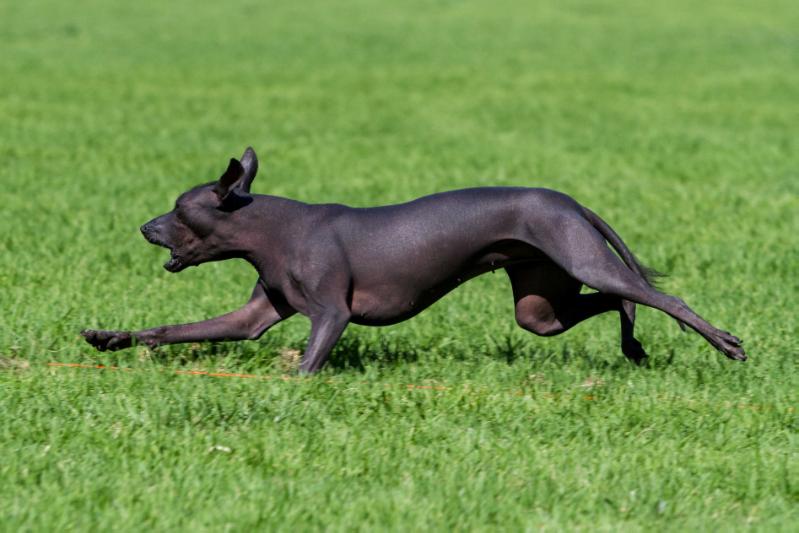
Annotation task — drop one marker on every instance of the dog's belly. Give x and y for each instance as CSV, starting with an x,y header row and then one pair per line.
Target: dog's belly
x,y
386,301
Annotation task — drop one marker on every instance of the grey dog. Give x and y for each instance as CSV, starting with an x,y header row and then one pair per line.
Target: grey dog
x,y
382,265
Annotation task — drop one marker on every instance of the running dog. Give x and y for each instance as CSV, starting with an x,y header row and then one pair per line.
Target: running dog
x,y
382,265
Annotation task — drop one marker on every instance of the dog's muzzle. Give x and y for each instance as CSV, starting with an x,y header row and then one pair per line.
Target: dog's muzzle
x,y
175,264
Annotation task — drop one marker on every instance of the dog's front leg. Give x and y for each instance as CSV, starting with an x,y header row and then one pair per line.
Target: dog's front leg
x,y
326,328
249,322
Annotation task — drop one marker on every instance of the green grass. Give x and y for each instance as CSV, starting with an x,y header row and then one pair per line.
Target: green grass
x,y
676,121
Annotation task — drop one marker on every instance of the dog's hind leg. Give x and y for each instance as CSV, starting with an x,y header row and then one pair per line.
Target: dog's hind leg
x,y
583,253
248,322
630,346
548,302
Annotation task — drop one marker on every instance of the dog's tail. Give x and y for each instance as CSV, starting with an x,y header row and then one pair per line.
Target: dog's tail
x,y
649,275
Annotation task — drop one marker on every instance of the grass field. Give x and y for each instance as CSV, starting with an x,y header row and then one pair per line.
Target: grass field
x,y
677,121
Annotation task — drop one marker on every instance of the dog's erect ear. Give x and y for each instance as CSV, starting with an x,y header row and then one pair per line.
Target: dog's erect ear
x,y
239,175
234,173
250,163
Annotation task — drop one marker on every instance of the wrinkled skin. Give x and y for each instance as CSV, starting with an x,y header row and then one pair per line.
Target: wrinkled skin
x,y
381,265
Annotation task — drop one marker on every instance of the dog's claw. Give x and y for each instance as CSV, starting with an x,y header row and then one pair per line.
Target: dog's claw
x,y
736,355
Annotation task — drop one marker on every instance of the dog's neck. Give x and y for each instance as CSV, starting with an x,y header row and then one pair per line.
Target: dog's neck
x,y
271,221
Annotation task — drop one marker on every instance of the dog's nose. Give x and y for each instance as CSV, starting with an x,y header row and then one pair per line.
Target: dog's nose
x,y
145,229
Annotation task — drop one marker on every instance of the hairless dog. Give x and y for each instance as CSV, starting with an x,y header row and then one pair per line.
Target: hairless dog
x,y
382,265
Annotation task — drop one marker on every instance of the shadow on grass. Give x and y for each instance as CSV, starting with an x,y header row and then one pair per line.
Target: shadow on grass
x,y
355,352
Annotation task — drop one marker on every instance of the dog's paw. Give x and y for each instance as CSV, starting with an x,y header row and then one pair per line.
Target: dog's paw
x,y
731,346
108,340
633,351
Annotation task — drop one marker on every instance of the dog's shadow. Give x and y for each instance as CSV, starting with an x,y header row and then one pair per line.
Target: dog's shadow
x,y
353,352
356,352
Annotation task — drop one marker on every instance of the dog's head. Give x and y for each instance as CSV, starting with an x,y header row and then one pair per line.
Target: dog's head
x,y
201,227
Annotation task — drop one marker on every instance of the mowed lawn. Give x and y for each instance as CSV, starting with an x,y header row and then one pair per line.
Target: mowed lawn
x,y
678,122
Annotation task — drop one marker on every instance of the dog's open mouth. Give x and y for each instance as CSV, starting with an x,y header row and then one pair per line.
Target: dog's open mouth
x,y
175,263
